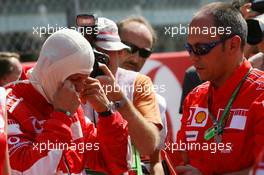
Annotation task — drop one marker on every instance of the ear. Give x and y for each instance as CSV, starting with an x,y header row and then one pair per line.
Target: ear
x,y
234,44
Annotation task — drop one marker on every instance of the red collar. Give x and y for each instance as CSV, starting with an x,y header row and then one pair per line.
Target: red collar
x,y
33,97
231,83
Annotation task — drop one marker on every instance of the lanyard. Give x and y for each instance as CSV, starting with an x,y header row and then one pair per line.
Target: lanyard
x,y
218,127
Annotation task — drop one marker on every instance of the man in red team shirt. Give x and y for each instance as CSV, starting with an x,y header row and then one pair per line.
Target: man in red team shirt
x,y
222,125
47,131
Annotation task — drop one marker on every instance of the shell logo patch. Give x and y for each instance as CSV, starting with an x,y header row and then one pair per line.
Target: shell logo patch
x,y
200,117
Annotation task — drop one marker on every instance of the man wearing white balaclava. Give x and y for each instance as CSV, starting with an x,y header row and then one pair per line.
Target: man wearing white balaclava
x,y
59,59
47,132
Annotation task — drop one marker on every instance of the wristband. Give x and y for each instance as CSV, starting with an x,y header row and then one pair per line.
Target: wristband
x,y
106,113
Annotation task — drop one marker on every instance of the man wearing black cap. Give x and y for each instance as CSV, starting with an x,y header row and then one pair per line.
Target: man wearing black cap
x,y
255,37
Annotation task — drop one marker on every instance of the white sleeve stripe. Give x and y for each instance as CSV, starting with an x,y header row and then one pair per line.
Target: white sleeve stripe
x,y
13,129
46,165
76,130
15,105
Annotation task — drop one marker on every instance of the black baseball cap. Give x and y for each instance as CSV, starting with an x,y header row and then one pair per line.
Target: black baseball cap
x,y
258,6
255,30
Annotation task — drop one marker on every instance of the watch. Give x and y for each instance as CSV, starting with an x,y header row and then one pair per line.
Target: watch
x,y
112,107
119,104
109,111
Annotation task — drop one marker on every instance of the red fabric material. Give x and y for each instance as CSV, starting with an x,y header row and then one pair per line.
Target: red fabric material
x,y
259,166
244,128
33,121
25,69
168,161
2,151
2,141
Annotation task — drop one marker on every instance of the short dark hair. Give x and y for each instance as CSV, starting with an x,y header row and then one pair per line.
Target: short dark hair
x,y
6,65
226,15
141,20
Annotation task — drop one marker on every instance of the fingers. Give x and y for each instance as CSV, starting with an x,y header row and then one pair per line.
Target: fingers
x,y
93,91
104,82
90,80
106,71
92,88
95,97
92,83
104,79
98,80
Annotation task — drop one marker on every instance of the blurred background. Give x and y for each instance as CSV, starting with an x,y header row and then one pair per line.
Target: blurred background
x,y
20,20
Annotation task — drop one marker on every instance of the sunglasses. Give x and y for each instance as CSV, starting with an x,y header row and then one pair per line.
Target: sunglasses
x,y
200,49
142,52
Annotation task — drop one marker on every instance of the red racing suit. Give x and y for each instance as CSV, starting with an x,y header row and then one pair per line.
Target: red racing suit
x,y
2,139
243,135
44,141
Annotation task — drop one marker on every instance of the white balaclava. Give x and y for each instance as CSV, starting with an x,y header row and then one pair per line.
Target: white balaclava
x,y
64,53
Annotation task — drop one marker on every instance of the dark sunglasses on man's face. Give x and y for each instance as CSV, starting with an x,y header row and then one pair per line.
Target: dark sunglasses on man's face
x,y
142,52
200,49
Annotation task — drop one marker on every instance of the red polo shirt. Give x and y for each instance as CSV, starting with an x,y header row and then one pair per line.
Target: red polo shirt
x,y
243,134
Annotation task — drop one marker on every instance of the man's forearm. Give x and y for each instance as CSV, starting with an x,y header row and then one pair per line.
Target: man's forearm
x,y
155,163
144,134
